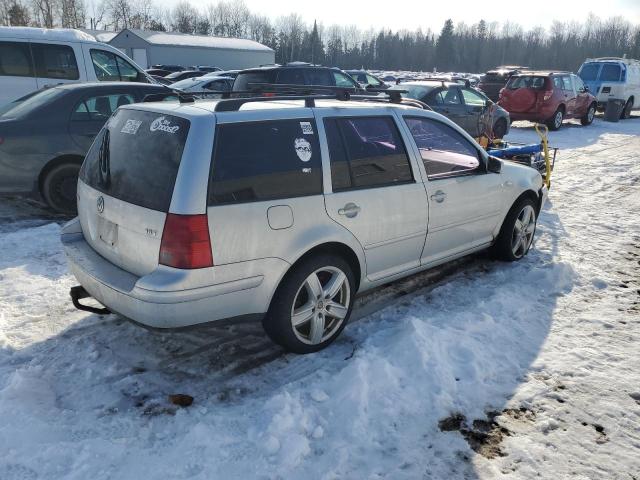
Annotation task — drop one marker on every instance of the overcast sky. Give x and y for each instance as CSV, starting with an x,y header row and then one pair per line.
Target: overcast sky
x,y
411,14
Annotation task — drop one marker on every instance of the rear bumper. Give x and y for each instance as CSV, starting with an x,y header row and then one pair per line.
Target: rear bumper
x,y
236,290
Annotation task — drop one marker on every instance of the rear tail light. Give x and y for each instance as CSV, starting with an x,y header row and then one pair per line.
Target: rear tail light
x,y
547,95
269,94
185,242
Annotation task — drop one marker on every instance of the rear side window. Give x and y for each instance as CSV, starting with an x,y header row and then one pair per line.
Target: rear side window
x,y
265,160
55,61
15,60
450,96
291,76
317,76
444,151
136,156
366,152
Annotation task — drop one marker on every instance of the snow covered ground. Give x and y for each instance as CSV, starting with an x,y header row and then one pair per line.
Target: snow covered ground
x,y
485,370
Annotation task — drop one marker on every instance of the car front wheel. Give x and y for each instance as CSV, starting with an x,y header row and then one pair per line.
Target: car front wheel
x,y
500,128
626,111
517,232
312,304
588,117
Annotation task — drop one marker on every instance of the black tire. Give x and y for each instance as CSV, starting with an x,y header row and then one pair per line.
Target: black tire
x,y
626,111
504,246
588,117
500,128
59,188
555,122
278,322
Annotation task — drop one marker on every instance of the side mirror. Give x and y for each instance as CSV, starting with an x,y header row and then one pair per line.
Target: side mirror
x,y
494,165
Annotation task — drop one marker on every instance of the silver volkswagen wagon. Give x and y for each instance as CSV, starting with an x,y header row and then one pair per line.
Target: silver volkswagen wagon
x,y
283,210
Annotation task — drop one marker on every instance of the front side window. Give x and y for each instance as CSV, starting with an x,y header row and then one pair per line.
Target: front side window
x,y
444,151
15,60
100,107
105,66
128,73
55,61
366,152
266,160
342,80
472,98
373,81
578,83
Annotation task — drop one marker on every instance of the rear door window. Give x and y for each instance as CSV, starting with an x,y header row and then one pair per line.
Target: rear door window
x,y
316,76
566,83
444,151
55,61
450,96
265,160
136,157
366,152
15,60
291,76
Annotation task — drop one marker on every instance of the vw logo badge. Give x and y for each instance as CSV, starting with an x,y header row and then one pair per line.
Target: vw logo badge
x,y
100,204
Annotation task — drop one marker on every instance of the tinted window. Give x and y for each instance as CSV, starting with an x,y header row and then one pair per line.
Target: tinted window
x,y
15,59
100,107
218,86
265,160
366,152
244,80
527,81
316,76
450,96
136,156
291,76
55,61
610,73
444,151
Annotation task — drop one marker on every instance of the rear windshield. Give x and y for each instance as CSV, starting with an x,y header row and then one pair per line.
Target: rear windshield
x,y
30,103
135,158
526,81
244,79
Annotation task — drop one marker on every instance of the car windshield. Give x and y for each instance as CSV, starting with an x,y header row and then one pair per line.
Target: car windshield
x,y
526,81
589,71
610,72
27,104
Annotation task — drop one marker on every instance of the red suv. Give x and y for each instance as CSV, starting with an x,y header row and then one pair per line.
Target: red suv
x,y
548,97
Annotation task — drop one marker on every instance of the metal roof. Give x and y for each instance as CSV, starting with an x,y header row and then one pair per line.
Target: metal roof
x,y
185,40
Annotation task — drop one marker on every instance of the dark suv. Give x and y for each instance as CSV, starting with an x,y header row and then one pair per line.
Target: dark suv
x,y
295,73
548,97
494,80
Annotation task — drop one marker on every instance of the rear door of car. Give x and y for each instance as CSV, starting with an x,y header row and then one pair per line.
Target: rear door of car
x,y
448,102
376,190
17,72
464,200
583,98
57,63
475,105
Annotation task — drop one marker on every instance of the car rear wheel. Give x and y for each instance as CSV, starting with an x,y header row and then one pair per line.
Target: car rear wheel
x,y
312,304
517,232
555,122
59,188
626,111
500,128
588,117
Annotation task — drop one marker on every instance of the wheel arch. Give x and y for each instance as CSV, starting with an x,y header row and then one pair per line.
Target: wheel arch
x,y
53,163
334,248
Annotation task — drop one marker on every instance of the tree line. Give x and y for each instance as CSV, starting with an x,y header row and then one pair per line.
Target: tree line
x,y
456,47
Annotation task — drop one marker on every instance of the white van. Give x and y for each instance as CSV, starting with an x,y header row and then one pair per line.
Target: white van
x,y
35,58
613,77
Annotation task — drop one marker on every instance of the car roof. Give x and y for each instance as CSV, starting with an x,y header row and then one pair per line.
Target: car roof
x,y
428,83
99,85
530,73
266,68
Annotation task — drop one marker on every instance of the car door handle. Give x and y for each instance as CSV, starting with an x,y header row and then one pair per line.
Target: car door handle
x,y
439,196
350,210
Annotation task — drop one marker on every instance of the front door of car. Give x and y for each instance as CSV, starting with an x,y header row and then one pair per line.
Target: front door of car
x,y
570,97
475,105
583,100
90,113
464,200
375,194
448,102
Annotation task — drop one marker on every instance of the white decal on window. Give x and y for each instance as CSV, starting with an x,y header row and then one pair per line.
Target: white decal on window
x,y
307,129
303,149
131,127
163,125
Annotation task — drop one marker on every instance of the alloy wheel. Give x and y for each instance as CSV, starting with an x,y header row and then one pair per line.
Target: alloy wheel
x,y
320,305
557,121
523,231
591,113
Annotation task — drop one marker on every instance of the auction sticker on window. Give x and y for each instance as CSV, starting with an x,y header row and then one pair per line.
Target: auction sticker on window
x,y
131,127
303,149
164,125
307,129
